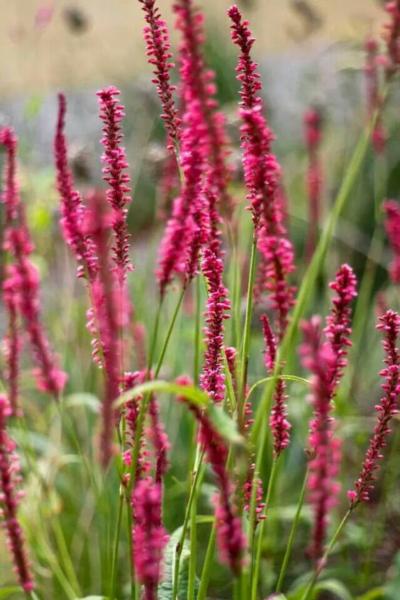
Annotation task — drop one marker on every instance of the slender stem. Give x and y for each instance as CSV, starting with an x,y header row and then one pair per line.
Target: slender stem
x,y
169,332
197,332
256,568
197,475
193,548
247,326
155,333
207,568
322,562
116,546
292,535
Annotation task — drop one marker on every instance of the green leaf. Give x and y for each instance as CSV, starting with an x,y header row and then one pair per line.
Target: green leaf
x,y
92,598
9,591
83,399
378,593
166,587
334,587
193,394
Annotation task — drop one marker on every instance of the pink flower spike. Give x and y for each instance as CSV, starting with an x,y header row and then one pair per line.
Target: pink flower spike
x,y
158,52
278,422
392,226
387,408
114,173
72,208
391,36
198,90
22,276
313,136
13,343
372,91
149,535
9,478
108,315
230,538
262,175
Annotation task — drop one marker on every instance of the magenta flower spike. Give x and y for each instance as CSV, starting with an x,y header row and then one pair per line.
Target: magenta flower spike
x,y
278,422
9,500
326,359
22,278
149,536
72,207
198,87
212,378
156,36
108,314
13,343
230,538
313,137
386,409
392,35
372,62
262,177
392,226
115,175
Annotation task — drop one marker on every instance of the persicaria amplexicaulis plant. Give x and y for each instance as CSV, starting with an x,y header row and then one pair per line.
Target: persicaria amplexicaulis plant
x,y
131,494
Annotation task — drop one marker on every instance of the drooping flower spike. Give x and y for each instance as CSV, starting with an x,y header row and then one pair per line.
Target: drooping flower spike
x,y
387,408
9,500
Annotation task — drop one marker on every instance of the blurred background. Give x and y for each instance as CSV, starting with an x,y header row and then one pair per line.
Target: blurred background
x,y
311,52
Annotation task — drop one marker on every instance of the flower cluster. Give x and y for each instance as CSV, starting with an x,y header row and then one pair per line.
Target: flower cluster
x,y
9,499
387,408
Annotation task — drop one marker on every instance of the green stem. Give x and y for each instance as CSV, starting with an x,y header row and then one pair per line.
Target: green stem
x,y
197,333
197,475
257,563
207,568
114,571
169,333
309,589
292,535
247,326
